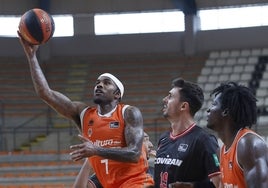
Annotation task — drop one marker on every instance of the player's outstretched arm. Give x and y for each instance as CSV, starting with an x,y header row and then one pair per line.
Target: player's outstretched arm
x,y
252,153
56,100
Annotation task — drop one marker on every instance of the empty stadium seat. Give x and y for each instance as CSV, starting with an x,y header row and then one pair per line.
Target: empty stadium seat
x,y
242,60
220,62
210,62
235,77
209,87
249,68
238,69
263,83
206,70
224,54
227,70
213,78
261,92
264,51
202,79
265,75
245,53
214,55
253,60
224,77
235,53
231,61
256,52
216,70
245,76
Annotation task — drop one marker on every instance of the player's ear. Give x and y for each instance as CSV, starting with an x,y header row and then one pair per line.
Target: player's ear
x,y
184,106
117,94
225,112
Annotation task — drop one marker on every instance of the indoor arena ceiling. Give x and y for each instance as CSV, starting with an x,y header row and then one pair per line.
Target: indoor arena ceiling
x,y
17,7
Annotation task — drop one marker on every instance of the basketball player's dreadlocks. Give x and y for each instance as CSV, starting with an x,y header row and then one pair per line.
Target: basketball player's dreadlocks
x,y
240,103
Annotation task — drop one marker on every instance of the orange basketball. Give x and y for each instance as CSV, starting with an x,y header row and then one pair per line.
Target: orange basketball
x,y
36,26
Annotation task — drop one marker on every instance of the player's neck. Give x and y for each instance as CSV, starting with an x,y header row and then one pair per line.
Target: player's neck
x,y
228,137
181,125
104,109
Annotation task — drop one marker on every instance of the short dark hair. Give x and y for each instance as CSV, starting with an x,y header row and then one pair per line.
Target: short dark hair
x,y
240,102
190,93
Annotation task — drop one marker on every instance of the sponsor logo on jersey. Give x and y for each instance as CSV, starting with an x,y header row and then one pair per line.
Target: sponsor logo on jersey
x,y
182,147
216,160
114,124
168,161
106,143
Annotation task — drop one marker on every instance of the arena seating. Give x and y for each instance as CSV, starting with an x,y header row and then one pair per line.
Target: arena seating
x,y
37,170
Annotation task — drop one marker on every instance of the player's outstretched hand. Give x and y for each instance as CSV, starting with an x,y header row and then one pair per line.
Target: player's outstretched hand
x,y
81,151
29,49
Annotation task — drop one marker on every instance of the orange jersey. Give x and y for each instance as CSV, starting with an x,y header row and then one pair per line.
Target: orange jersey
x,y
232,172
108,132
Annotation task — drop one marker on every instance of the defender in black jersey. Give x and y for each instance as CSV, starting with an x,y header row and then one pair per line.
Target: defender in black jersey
x,y
186,157
187,154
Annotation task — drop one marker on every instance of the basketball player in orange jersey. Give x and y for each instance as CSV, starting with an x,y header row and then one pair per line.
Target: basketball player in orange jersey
x,y
112,132
244,155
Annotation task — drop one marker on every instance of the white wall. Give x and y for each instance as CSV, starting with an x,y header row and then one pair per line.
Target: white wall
x,y
146,43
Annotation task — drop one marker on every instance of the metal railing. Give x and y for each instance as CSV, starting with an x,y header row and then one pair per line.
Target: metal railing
x,y
12,138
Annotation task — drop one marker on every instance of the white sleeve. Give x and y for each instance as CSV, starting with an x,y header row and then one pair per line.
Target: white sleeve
x,y
82,117
123,110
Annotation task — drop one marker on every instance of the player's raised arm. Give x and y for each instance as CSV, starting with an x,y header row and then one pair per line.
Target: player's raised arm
x,y
54,99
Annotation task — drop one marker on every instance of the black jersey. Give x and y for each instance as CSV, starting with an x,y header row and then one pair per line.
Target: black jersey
x,y
188,157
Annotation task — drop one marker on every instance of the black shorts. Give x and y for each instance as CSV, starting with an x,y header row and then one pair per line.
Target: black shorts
x,y
93,180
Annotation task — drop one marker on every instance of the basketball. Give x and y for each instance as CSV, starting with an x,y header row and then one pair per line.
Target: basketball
x,y
36,26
